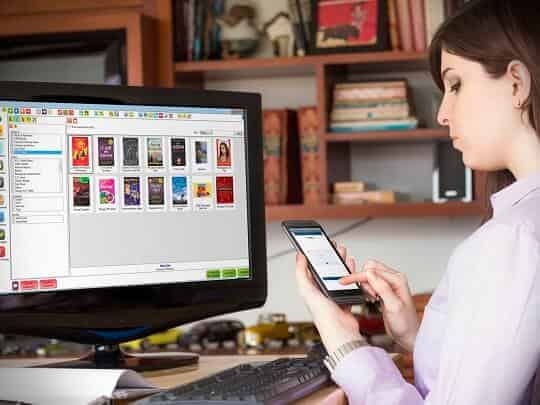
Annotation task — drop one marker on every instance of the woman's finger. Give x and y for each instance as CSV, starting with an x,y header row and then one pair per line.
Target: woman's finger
x,y
304,278
390,300
396,279
359,277
351,263
375,264
342,251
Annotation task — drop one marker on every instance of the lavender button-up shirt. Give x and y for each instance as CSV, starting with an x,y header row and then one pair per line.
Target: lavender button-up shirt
x,y
479,341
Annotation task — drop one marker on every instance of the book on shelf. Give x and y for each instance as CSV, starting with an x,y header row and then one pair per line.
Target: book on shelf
x,y
371,106
196,34
404,25
352,93
416,21
377,111
434,15
308,131
395,41
418,24
282,182
362,197
349,186
374,125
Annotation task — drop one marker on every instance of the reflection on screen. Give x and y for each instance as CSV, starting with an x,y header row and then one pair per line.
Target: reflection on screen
x,y
322,257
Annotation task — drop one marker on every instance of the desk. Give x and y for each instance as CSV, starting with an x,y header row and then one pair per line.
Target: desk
x,y
330,395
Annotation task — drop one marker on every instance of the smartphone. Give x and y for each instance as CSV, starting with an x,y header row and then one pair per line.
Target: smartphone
x,y
324,261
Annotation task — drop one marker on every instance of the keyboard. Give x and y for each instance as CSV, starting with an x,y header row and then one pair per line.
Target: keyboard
x,y
276,382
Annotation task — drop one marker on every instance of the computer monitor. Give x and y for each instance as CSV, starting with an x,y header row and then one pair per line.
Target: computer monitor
x,y
125,210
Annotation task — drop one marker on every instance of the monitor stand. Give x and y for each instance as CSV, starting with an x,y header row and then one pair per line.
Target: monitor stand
x,y
112,357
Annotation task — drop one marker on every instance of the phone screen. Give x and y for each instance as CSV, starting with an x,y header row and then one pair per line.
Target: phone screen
x,y
323,258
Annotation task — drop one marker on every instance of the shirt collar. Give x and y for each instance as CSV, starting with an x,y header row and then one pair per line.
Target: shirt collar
x,y
515,192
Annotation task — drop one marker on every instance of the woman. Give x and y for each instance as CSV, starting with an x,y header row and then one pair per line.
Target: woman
x,y
479,341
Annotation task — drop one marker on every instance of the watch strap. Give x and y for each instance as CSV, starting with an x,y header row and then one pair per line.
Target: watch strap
x,y
332,359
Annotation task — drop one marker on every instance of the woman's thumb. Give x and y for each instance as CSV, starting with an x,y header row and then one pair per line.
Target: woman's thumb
x,y
390,300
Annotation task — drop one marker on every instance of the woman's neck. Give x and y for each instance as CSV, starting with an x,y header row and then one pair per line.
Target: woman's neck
x,y
525,154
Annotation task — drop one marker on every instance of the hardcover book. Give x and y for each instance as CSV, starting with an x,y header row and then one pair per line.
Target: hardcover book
x,y
282,182
308,130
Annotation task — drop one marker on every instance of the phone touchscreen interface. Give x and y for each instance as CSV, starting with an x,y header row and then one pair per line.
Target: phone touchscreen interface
x,y
323,258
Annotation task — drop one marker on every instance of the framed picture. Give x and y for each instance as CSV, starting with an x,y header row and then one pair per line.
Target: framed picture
x,y
349,26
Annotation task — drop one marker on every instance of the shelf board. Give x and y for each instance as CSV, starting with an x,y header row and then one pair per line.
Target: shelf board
x,y
450,209
295,64
415,135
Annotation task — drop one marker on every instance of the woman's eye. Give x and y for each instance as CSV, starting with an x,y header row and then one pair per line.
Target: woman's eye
x,y
455,87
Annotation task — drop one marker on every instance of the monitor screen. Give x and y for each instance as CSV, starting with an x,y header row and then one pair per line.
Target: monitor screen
x,y
103,195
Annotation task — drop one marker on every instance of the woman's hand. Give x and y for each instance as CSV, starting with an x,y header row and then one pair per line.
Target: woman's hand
x,y
399,312
336,324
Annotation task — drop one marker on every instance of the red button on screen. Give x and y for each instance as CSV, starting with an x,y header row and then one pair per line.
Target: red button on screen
x,y
29,284
49,283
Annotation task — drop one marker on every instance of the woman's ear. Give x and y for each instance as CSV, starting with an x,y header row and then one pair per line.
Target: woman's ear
x,y
520,78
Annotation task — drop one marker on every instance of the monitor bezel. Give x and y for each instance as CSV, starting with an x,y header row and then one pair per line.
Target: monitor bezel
x,y
115,314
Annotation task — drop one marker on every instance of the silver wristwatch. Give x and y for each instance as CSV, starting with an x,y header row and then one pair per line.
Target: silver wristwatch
x,y
332,359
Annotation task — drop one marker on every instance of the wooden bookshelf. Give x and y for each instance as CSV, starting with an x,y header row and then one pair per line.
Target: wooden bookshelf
x,y
416,135
404,210
310,60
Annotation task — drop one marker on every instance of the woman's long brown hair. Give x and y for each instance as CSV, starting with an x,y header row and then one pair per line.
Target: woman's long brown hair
x,y
493,33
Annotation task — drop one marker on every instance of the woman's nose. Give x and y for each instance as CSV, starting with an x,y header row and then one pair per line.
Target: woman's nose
x,y
442,115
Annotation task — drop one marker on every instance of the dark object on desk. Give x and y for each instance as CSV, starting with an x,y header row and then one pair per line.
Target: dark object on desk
x,y
277,382
207,332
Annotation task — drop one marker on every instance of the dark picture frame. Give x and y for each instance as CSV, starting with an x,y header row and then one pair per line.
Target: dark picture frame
x,y
349,26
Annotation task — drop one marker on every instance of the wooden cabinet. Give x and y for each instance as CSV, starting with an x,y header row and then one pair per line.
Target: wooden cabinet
x,y
141,21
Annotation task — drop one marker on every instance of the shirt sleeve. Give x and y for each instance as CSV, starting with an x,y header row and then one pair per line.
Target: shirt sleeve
x,y
369,376
492,346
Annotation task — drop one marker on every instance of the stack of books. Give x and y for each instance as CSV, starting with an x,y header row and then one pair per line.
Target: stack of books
x,y
354,192
371,106
413,23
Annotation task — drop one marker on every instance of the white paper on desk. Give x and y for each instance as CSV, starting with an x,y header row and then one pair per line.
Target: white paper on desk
x,y
47,386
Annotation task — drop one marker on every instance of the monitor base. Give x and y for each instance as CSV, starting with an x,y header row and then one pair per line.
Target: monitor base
x,y
112,357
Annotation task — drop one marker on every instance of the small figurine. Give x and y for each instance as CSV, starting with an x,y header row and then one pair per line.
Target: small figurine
x,y
280,31
239,36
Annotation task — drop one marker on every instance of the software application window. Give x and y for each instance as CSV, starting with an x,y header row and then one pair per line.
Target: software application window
x,y
96,196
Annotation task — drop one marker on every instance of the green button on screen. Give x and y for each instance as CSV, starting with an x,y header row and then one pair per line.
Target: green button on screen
x,y
243,272
229,273
212,274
